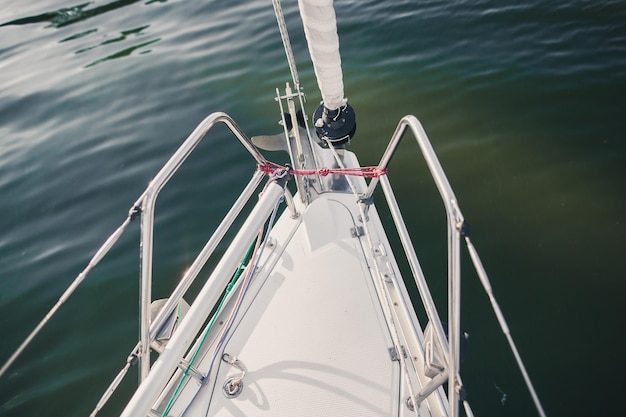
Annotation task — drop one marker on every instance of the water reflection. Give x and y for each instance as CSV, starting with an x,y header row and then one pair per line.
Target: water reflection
x,y
78,35
68,15
124,35
124,52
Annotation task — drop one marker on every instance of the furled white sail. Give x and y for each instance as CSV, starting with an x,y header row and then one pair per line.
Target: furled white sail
x,y
320,28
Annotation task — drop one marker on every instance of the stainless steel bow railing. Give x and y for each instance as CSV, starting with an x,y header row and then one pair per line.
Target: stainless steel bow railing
x,y
147,202
457,229
144,207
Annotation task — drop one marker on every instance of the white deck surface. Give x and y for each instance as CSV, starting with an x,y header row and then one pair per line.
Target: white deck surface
x,y
313,340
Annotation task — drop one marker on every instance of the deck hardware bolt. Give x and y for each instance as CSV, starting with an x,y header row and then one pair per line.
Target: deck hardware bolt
x,y
410,403
232,387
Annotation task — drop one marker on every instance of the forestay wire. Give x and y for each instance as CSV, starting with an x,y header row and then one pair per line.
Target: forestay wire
x,y
280,18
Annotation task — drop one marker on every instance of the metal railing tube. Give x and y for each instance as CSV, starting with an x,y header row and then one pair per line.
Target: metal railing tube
x,y
146,394
431,387
416,269
203,256
429,156
454,314
145,294
192,141
186,281
455,223
147,217
455,220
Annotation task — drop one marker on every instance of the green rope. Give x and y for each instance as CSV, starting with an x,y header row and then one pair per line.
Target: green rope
x,y
229,287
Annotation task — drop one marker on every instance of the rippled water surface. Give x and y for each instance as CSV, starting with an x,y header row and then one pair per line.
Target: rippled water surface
x,y
524,103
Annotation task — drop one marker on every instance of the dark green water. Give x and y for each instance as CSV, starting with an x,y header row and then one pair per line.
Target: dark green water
x,y
524,103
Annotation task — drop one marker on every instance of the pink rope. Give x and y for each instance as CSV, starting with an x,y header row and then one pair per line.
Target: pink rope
x,y
270,168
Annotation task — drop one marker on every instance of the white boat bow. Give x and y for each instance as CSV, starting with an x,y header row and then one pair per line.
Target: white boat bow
x,y
307,312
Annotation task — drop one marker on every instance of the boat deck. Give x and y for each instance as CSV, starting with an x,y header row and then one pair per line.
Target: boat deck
x,y
314,331
311,333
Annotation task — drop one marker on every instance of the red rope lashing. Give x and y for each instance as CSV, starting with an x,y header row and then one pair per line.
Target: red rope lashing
x,y
270,168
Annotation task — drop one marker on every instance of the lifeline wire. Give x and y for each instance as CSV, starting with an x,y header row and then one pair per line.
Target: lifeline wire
x,y
256,256
230,286
97,257
245,281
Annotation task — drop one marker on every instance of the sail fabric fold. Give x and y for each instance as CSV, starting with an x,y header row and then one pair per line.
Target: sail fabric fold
x,y
320,29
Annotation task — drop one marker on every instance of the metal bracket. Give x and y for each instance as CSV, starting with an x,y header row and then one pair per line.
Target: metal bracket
x,y
135,212
393,353
233,385
357,231
384,266
184,365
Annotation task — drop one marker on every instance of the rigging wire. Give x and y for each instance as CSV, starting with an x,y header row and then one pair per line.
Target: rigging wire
x,y
229,288
482,275
245,284
246,281
97,257
280,18
250,273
